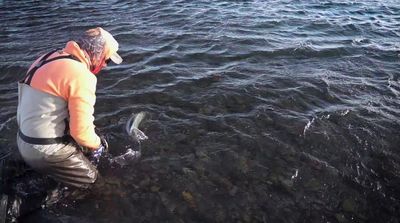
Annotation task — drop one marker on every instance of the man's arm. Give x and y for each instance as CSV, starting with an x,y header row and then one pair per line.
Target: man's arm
x,y
81,103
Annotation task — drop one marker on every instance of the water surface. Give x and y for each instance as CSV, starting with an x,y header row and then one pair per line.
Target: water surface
x,y
258,111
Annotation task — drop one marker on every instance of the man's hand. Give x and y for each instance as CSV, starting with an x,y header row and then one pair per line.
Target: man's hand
x,y
96,154
103,140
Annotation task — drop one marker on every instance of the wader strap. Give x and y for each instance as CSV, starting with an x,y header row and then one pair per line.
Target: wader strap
x,y
45,141
66,130
28,78
33,70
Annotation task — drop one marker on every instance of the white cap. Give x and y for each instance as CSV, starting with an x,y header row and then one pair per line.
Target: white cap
x,y
111,47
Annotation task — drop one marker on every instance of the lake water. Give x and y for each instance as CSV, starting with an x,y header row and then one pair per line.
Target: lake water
x,y
257,111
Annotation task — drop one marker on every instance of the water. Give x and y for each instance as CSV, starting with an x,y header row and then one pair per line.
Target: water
x,y
258,111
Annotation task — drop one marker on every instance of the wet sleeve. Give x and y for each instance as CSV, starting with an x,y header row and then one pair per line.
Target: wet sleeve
x,y
81,103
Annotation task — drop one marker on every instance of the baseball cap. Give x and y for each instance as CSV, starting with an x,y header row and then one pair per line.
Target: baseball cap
x,y
111,46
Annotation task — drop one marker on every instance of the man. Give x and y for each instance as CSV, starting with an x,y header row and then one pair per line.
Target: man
x,y
56,106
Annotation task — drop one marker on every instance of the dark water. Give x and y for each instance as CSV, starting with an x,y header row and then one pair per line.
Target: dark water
x,y
258,111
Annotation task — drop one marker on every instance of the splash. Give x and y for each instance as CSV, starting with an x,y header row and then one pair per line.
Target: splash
x,y
307,126
128,157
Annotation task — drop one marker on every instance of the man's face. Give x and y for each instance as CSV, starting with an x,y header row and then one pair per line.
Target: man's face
x,y
102,64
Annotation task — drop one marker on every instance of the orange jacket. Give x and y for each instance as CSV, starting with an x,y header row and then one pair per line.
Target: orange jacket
x,y
74,83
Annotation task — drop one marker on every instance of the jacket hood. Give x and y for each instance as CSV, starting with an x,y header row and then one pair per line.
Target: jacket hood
x,y
73,48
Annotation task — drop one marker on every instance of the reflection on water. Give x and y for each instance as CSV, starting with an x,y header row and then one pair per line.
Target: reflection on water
x,y
258,111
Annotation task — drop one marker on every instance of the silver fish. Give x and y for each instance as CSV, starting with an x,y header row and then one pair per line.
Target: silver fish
x,y
132,127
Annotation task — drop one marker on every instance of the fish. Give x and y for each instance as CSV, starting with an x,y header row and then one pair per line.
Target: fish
x,y
132,127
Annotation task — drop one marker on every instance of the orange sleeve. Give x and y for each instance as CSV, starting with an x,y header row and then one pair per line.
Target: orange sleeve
x,y
81,100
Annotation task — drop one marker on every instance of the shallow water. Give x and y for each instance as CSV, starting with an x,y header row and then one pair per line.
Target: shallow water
x,y
258,111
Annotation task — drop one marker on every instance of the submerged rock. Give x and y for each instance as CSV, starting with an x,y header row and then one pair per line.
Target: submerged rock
x,y
286,183
145,182
243,165
169,204
202,155
220,215
233,191
246,218
313,184
188,197
349,205
188,172
340,218
154,188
